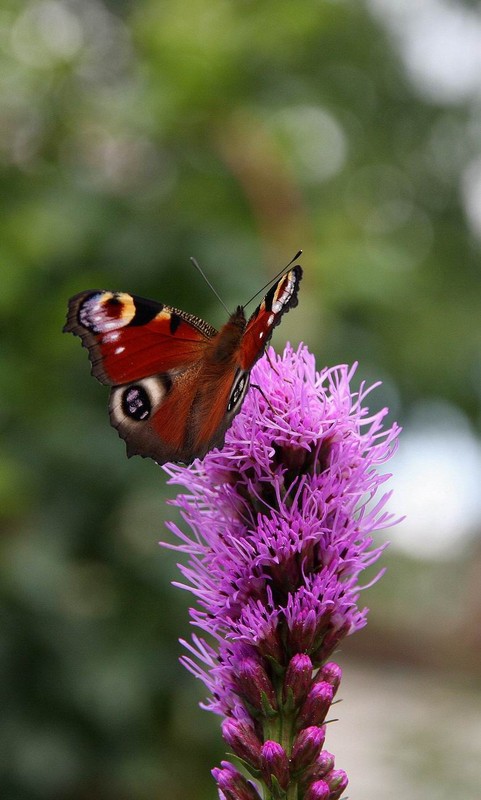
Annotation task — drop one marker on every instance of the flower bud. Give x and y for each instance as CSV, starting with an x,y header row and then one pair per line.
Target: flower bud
x,y
337,780
255,686
302,631
241,737
331,673
316,705
274,764
307,747
269,645
298,678
331,641
319,790
323,764
232,784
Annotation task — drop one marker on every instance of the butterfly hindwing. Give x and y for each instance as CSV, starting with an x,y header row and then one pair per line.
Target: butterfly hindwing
x,y
154,415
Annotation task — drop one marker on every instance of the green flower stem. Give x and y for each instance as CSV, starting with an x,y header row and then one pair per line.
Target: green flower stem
x,y
281,729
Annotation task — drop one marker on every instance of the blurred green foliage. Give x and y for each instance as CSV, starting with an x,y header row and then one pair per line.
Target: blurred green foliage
x,y
135,134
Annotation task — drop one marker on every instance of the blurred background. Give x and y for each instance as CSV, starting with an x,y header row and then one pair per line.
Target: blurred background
x,y
134,134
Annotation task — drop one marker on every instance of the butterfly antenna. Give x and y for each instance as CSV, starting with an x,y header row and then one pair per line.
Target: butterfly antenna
x,y
299,253
197,266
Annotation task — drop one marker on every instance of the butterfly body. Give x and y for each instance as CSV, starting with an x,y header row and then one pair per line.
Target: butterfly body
x,y
176,382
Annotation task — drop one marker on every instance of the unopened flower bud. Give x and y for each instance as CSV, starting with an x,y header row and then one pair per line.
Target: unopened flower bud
x,y
254,684
319,790
331,673
316,705
307,747
274,764
242,738
331,641
269,645
323,764
233,785
302,631
298,678
337,780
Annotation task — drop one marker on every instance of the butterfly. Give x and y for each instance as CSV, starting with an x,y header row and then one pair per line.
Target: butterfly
x,y
176,382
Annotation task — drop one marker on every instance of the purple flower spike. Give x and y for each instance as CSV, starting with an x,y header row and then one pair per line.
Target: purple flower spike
x,y
282,523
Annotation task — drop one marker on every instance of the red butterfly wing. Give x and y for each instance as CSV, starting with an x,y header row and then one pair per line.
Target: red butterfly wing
x,y
130,338
155,416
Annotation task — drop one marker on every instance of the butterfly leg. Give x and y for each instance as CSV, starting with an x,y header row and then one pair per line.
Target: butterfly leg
x,y
272,366
261,390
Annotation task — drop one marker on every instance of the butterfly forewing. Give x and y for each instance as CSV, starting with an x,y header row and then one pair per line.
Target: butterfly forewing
x,y
279,299
129,337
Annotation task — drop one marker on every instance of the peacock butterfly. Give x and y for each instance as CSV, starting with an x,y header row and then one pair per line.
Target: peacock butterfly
x,y
177,383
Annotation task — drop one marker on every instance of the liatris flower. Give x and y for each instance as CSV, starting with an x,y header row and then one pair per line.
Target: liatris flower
x,y
282,521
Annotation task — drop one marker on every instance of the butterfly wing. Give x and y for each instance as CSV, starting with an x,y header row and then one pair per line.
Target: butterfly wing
x,y
151,355
279,299
129,337
155,415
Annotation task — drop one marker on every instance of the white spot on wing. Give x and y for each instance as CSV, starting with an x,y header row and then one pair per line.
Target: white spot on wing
x,y
286,295
111,336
